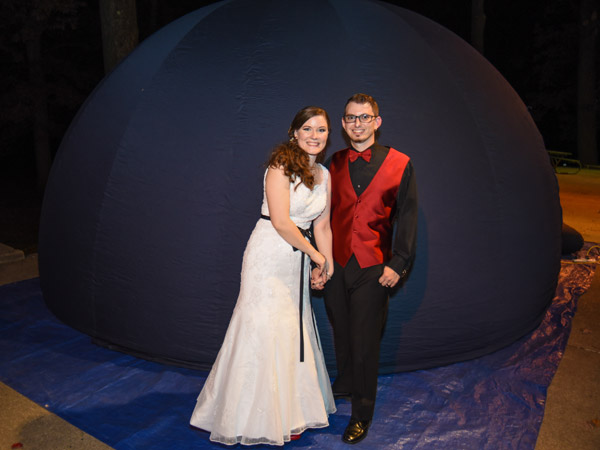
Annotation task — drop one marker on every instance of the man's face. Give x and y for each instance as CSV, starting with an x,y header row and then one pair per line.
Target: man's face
x,y
362,134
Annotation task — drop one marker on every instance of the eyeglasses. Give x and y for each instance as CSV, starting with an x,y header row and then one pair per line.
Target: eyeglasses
x,y
364,118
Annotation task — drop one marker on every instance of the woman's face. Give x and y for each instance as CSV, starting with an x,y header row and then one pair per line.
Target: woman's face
x,y
312,135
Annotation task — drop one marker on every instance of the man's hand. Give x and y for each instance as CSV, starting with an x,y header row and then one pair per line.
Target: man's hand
x,y
317,281
389,278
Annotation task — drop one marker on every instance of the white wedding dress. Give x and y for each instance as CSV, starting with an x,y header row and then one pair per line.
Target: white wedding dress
x,y
258,391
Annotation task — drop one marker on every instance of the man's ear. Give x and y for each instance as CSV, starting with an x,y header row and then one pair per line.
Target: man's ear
x,y
378,121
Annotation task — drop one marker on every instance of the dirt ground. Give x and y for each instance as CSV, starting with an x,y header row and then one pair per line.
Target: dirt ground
x,y
580,201
572,413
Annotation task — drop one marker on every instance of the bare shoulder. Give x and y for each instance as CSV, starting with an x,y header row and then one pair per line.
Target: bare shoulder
x,y
276,176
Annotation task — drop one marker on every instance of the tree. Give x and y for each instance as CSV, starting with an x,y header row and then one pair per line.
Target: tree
x,y
587,100
119,30
31,21
552,84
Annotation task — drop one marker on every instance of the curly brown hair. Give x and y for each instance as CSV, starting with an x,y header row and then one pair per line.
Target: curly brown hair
x,y
291,157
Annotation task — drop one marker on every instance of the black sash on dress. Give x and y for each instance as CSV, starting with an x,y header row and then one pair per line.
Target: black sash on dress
x,y
306,233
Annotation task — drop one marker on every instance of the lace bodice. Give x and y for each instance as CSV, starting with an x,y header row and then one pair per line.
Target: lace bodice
x,y
305,205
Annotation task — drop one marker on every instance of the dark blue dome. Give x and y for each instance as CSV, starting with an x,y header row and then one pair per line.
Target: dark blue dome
x,y
157,183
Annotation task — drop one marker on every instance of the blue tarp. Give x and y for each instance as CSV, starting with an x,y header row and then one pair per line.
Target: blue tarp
x,y
496,401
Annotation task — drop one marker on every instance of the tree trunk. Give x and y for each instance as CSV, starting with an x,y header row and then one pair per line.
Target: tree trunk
x,y
477,24
587,104
119,30
39,99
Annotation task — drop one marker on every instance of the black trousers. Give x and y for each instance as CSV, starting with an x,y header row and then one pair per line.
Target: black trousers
x,y
357,308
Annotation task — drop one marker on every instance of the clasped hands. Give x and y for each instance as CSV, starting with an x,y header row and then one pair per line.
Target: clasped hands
x,y
319,276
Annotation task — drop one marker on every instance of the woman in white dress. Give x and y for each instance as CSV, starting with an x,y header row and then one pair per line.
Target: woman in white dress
x,y
269,382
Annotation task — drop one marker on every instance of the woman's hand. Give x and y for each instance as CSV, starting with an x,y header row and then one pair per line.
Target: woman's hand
x,y
316,279
320,261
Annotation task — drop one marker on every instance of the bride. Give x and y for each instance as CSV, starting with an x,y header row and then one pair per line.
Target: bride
x,y
269,382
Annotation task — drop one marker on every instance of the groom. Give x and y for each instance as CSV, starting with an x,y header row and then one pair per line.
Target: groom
x,y
374,223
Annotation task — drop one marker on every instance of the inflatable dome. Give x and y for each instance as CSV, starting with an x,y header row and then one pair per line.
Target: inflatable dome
x,y
158,182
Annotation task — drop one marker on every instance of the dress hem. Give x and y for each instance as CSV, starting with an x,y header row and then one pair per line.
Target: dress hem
x,y
265,441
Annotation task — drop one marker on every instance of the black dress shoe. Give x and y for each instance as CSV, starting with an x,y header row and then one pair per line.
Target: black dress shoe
x,y
356,431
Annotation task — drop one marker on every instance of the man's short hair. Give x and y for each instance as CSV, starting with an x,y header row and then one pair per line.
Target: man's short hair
x,y
361,99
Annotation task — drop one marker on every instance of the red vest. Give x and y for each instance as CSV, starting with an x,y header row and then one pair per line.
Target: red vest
x,y
361,225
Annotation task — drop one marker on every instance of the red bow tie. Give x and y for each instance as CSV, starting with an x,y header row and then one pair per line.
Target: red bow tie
x,y
354,155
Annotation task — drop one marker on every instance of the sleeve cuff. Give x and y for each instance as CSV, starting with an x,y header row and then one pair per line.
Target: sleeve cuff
x,y
398,265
